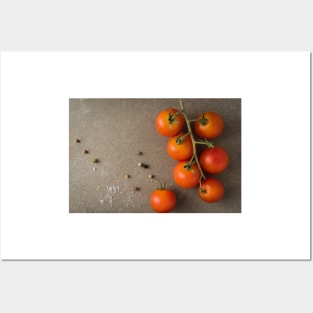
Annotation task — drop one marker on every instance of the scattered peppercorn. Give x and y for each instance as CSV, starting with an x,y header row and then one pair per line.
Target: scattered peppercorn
x,y
136,189
77,140
139,153
151,176
143,165
94,160
85,151
126,176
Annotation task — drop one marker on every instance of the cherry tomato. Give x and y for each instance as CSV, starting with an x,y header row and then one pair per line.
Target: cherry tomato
x,y
169,122
211,190
163,200
180,147
186,175
214,160
209,125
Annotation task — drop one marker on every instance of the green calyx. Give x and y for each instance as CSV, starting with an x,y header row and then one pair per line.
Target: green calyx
x,y
180,139
171,117
188,167
209,143
203,120
202,191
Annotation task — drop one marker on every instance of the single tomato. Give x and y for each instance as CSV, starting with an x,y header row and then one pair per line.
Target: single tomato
x,y
163,200
209,125
214,160
211,190
180,147
169,122
186,175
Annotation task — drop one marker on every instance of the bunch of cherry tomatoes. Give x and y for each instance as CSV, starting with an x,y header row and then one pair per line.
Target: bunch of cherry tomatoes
x,y
190,169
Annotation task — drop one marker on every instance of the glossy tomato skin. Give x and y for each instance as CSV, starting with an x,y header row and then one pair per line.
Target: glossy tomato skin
x,y
214,160
163,200
180,149
211,127
211,190
167,125
186,178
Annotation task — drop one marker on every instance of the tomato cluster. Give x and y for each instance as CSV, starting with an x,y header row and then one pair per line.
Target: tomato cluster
x,y
189,171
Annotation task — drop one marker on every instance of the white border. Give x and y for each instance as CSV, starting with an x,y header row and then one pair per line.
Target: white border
x,y
275,92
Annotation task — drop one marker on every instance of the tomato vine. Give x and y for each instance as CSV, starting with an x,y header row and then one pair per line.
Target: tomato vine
x,y
190,171
194,142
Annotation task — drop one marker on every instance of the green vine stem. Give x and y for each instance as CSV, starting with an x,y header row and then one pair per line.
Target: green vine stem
x,y
162,186
200,142
208,143
195,157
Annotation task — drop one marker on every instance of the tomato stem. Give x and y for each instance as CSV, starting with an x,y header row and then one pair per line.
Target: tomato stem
x,y
206,142
200,142
203,191
192,139
203,120
180,139
162,186
186,135
193,156
171,117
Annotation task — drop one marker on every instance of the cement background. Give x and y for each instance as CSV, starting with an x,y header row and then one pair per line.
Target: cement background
x,y
114,130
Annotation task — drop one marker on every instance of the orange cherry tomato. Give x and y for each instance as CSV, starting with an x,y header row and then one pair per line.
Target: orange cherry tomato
x,y
209,125
163,200
180,147
169,122
186,175
211,190
214,160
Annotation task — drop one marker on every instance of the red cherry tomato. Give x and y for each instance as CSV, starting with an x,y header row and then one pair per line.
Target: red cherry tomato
x,y
169,122
180,147
214,160
211,190
186,175
209,125
163,200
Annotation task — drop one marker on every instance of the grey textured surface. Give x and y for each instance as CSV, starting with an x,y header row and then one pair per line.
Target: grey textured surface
x,y
114,130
